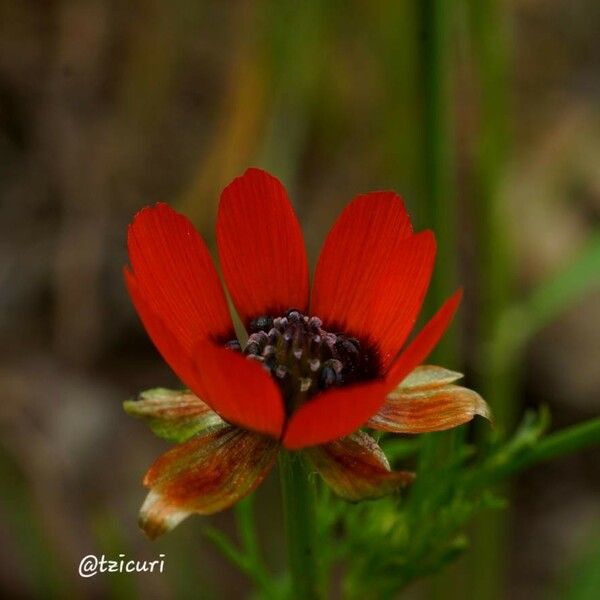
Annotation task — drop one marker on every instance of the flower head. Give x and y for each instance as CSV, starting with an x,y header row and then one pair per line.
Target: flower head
x,y
315,367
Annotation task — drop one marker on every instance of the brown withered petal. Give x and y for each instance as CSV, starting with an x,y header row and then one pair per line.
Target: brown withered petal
x,y
356,468
207,474
175,415
427,376
420,410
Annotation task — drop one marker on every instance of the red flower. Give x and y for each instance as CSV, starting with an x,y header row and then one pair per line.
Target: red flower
x,y
316,367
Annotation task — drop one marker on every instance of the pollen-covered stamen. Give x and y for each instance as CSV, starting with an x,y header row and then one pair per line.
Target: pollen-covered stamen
x,y
303,357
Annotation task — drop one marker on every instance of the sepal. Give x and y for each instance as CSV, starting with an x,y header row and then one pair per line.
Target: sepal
x,y
174,415
207,474
356,468
426,400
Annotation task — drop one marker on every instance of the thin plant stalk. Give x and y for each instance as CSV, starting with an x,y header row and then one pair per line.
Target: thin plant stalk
x,y
398,31
439,172
561,443
298,495
439,202
438,189
498,374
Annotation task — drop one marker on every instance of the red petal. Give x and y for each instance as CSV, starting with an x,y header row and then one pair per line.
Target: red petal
x,y
424,342
239,389
205,475
333,414
372,273
261,248
175,355
176,276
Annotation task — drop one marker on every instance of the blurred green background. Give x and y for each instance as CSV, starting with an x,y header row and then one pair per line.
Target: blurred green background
x,y
484,115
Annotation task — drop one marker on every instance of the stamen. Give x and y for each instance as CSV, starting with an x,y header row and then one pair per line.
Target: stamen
x,y
314,364
304,358
305,383
261,324
331,373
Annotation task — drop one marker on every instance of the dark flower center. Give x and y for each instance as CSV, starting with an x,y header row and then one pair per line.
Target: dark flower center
x,y
304,358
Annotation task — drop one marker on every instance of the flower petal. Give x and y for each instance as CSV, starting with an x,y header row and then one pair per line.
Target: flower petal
x,y
338,412
175,355
250,399
426,376
176,276
261,247
333,414
239,389
356,468
424,342
207,474
175,415
429,409
373,273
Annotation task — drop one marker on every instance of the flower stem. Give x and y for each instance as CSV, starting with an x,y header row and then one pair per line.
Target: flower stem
x,y
498,375
299,514
567,441
439,193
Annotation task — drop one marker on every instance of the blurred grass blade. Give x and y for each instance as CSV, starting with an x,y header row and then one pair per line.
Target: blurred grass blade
x,y
557,294
110,541
32,549
583,582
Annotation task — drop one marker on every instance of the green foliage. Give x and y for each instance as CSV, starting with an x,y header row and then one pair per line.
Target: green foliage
x,y
382,546
386,544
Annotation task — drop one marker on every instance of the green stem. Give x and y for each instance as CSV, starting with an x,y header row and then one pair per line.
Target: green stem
x,y
244,516
438,188
248,559
439,201
497,374
439,195
245,563
561,443
299,514
569,440
490,36
438,156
